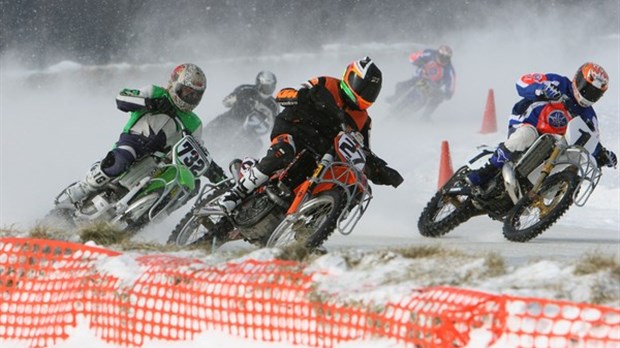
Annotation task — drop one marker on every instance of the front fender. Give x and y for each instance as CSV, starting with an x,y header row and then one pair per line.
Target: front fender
x,y
168,176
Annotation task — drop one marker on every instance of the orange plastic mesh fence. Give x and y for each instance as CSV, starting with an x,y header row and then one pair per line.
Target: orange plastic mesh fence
x,y
47,286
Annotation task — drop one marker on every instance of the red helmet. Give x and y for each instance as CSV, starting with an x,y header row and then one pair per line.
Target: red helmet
x,y
589,84
444,54
361,82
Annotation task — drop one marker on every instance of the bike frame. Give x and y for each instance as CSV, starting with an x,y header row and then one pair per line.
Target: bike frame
x,y
329,174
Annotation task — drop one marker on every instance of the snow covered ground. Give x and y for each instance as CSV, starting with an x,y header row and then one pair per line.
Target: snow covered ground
x,y
55,123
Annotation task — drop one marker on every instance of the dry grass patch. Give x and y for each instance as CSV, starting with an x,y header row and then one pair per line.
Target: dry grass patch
x,y
595,262
495,265
426,251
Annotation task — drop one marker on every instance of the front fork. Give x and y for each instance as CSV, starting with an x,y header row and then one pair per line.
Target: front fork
x,y
546,170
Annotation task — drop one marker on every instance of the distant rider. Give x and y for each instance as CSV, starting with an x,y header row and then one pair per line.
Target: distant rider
x,y
151,127
434,66
252,110
312,117
534,115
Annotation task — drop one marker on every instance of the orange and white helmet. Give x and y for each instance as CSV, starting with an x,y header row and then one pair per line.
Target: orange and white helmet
x,y
187,85
589,84
361,82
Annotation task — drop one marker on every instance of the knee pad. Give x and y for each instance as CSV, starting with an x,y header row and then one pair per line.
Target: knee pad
x,y
280,153
116,162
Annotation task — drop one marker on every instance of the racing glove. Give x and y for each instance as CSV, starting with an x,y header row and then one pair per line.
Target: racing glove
x,y
379,173
606,158
548,91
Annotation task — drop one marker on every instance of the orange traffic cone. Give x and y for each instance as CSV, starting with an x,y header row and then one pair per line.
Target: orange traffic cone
x,y
445,165
489,121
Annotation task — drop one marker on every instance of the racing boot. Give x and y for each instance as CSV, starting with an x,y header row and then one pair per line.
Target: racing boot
x,y
94,180
477,178
482,175
252,178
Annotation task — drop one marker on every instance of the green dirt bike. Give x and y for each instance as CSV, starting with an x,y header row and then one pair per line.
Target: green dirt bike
x,y
152,188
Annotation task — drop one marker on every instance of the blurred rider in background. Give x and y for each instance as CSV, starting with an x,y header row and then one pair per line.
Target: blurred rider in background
x,y
312,117
251,112
434,66
151,127
534,115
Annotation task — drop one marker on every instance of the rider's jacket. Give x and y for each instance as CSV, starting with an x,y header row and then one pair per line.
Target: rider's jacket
x,y
318,113
430,69
248,106
151,124
546,116
549,116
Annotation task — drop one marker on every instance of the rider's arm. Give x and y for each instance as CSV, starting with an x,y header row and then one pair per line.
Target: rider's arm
x,y
420,58
449,83
230,99
133,99
532,86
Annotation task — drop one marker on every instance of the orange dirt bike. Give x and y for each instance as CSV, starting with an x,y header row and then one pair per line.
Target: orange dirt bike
x,y
301,204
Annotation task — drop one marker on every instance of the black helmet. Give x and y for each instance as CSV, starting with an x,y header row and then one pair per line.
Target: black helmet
x,y
361,82
266,83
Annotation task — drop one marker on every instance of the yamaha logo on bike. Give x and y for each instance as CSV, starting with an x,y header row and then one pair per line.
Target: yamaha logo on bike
x,y
557,119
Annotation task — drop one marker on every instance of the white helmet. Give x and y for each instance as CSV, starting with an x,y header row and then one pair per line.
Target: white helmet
x,y
187,85
266,83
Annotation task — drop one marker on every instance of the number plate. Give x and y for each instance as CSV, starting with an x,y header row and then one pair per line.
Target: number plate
x,y
193,156
350,150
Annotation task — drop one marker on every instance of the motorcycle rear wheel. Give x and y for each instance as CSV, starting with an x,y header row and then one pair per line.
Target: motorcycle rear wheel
x,y
315,222
531,217
443,213
194,229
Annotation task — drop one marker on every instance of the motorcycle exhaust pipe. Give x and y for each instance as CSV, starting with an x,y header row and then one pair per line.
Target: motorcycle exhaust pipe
x,y
235,169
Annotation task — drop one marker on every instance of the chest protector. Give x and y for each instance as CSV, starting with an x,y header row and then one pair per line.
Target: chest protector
x,y
433,71
553,118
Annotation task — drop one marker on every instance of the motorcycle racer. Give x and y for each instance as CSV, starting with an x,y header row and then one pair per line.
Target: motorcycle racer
x,y
312,117
151,127
252,110
549,102
434,65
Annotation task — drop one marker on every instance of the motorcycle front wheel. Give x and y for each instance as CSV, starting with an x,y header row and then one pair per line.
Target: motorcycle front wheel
x,y
195,228
313,224
445,211
532,216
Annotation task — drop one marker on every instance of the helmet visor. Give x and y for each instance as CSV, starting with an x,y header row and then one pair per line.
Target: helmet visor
x,y
188,94
365,90
443,58
266,89
587,90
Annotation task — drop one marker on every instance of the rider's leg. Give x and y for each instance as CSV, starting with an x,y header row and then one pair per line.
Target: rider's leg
x,y
280,153
518,141
128,148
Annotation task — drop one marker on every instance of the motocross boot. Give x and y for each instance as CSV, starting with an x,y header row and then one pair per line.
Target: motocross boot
x,y
94,180
481,176
252,179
